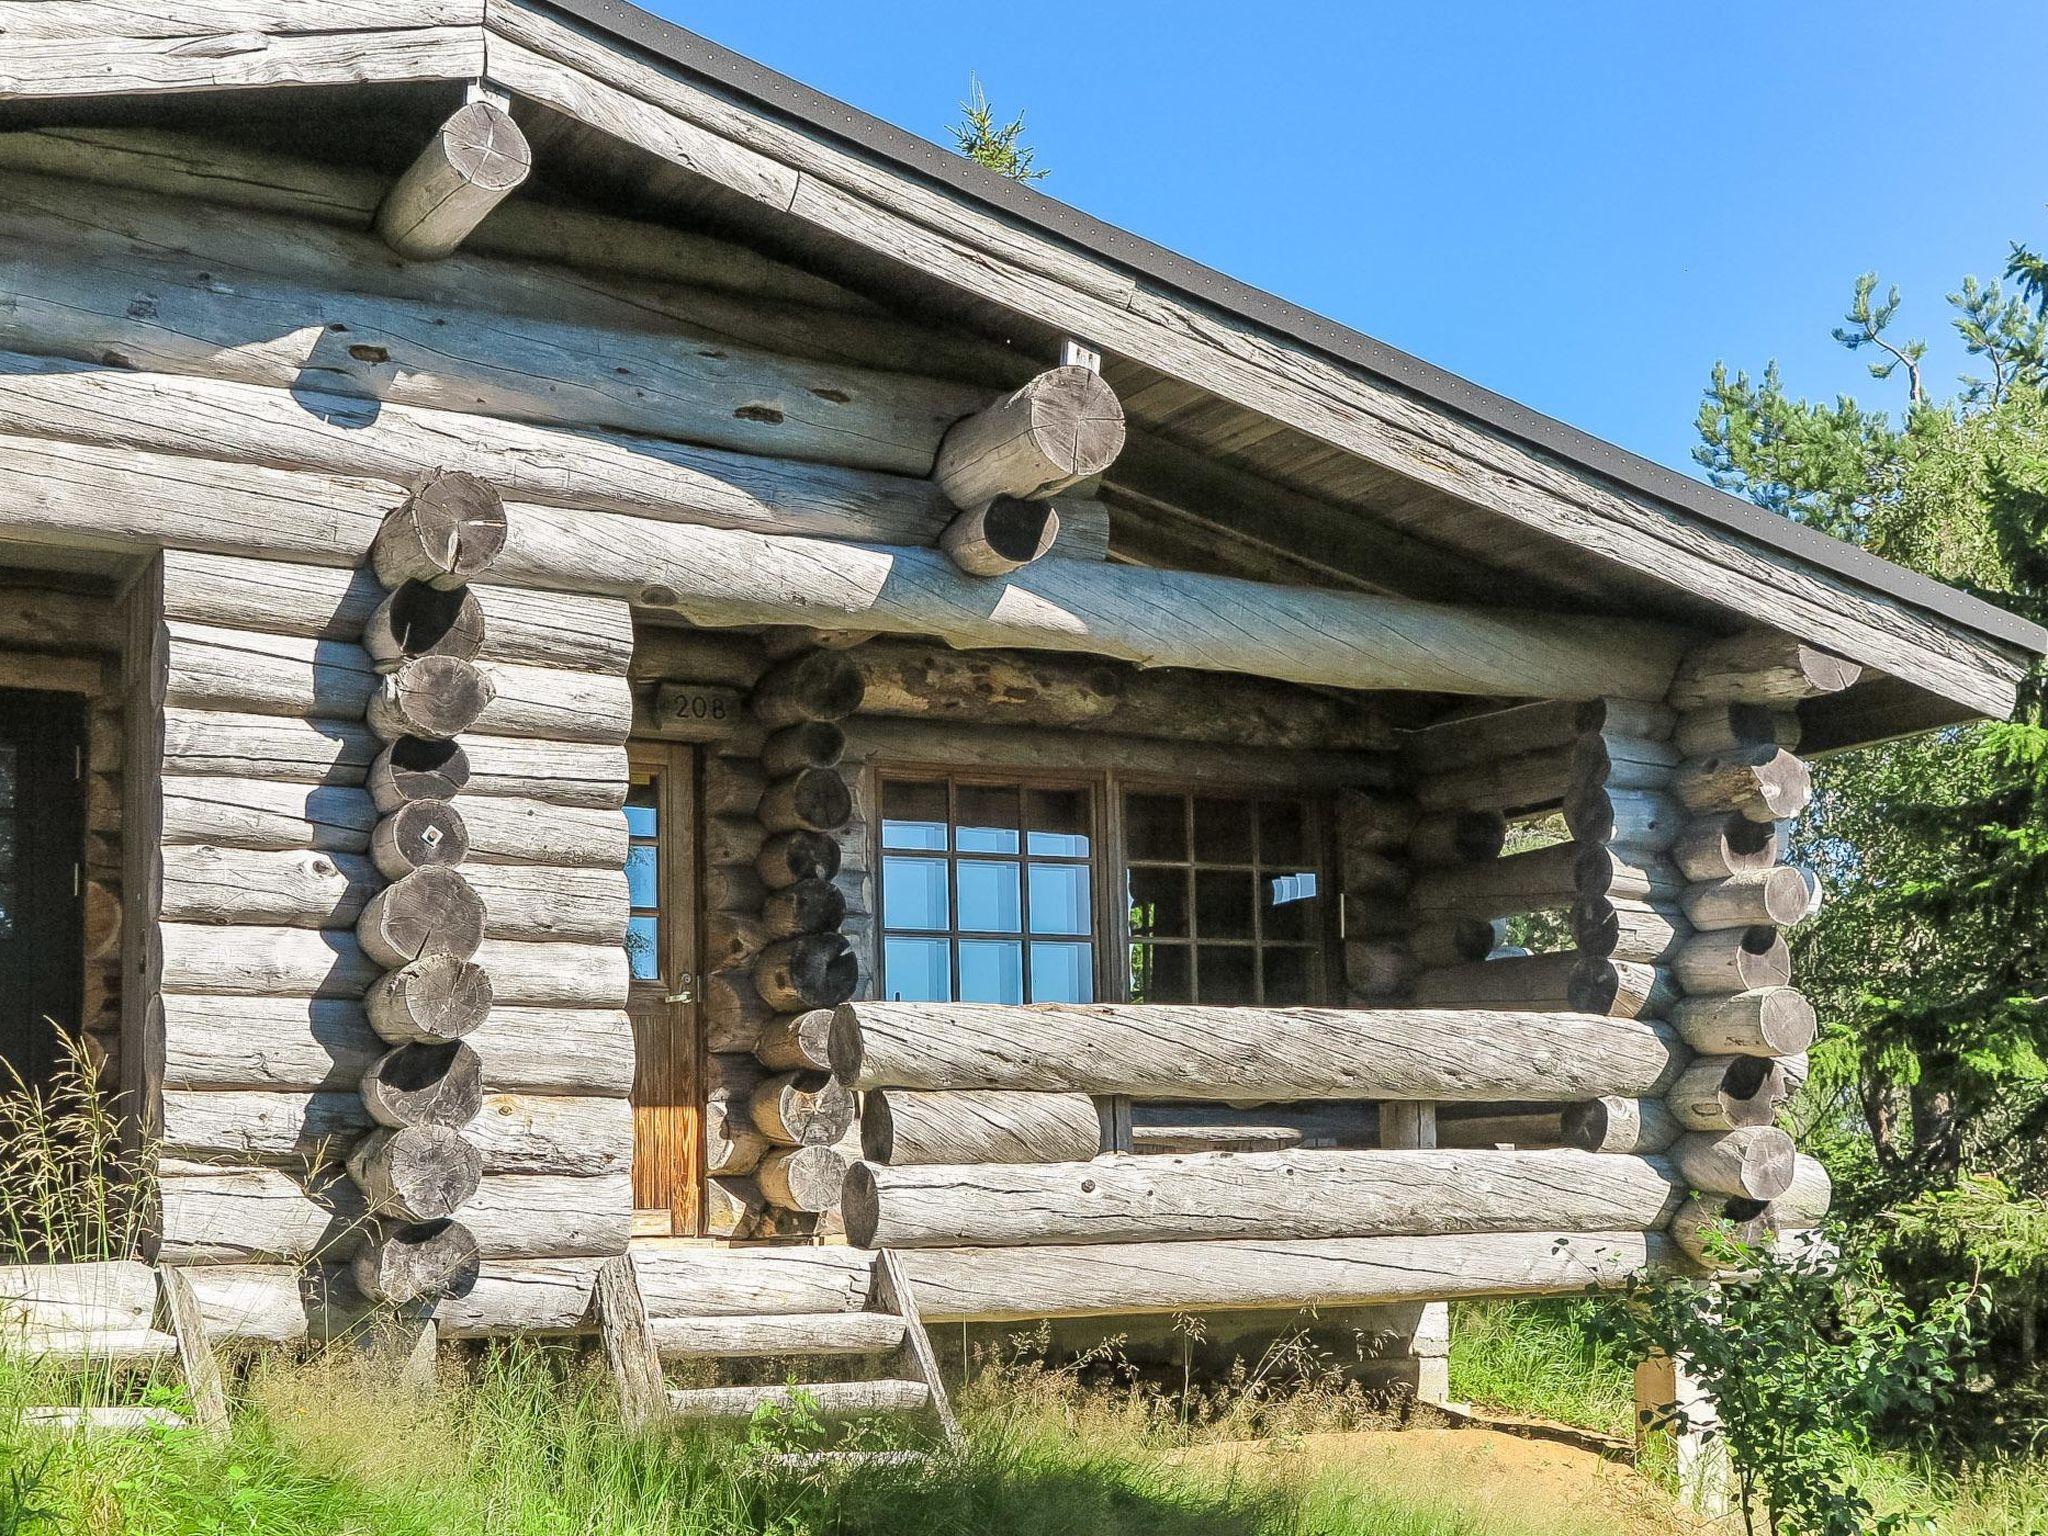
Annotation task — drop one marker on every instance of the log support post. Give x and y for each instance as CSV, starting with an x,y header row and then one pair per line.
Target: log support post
x,y
1421,1359
1670,1402
475,160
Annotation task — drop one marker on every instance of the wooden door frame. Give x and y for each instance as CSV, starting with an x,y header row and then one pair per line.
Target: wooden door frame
x,y
678,988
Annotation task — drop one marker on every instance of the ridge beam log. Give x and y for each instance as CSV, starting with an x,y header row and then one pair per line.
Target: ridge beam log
x,y
1166,1051
475,160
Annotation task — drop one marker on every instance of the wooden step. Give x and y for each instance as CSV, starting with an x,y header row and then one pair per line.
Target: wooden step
x,y
122,1421
86,1348
834,1399
792,1333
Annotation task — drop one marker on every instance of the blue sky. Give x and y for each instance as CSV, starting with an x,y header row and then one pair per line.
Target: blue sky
x,y
1581,205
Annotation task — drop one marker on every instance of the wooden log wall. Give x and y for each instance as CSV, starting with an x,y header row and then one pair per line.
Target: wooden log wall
x,y
392,905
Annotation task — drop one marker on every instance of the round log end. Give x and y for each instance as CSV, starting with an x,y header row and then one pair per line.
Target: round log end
x,y
1786,1021
438,1084
814,970
422,620
805,1179
1077,422
429,912
860,1205
817,685
418,1262
1763,959
432,697
436,999
807,744
413,769
460,525
845,1050
809,800
877,1127
485,147
416,1173
420,834
809,906
790,857
1705,1223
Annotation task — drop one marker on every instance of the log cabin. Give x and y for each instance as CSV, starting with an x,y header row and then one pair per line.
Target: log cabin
x,y
631,702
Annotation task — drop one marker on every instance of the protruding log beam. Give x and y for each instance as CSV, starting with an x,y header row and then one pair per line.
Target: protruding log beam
x,y
1530,881
1459,743
807,744
802,1109
417,1262
1275,1195
789,858
802,1178
416,1173
816,685
1706,1222
1004,536
419,835
1753,1162
809,800
430,1001
1613,1124
778,1335
1113,1279
1806,1199
1633,931
1759,667
437,1084
1634,818
1722,727
429,912
1771,1021
809,906
411,770
1733,960
1457,837
1779,896
814,970
1764,783
1715,847
902,1128
1720,1093
1625,874
433,698
731,1143
826,1399
797,1042
446,533
419,620
474,162
1064,426
1566,982
1192,1052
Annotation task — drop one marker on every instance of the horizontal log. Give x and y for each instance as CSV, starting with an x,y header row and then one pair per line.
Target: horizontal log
x,y
428,1002
1715,847
323,1044
1530,881
209,744
1456,940
1527,1130
1198,1127
524,901
1733,960
1706,1224
800,1333
1753,1162
797,1109
1514,786
1806,1199
1764,783
284,1303
470,166
441,1083
1771,1021
94,1351
1759,667
680,1282
902,1128
1001,536
1457,837
827,1399
1167,1051
1637,818
533,463
1551,983
1626,874
1632,931
801,1178
271,332
510,830
414,1173
583,775
714,576
293,888
107,1296
1721,727
1064,426
1779,897
1459,743
796,1042
1720,1093
1252,1195
416,1263
419,835
253,1215
732,1143
1112,1279
1614,1124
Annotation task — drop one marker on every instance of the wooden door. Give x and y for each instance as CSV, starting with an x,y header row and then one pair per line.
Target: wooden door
x,y
668,1133
42,846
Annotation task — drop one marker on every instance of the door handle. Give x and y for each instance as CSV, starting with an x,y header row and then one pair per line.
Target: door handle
x,y
685,990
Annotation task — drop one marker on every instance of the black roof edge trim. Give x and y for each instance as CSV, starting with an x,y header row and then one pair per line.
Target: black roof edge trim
x,y
824,114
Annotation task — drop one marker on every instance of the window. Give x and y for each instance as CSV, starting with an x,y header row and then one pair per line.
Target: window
x,y
987,892
643,878
1225,899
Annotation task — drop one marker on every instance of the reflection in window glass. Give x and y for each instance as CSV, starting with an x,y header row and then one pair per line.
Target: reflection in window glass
x,y
643,880
643,946
642,869
1003,860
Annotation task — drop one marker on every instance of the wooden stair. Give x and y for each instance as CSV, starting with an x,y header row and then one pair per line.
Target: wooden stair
x,y
637,1348
122,1333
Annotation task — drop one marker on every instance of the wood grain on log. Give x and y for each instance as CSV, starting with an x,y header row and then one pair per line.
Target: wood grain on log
x,y
1169,1051
774,1336
1634,931
827,1399
417,1262
429,912
1764,783
295,888
1720,1093
1531,881
433,698
1223,1195
473,163
419,620
797,1042
1806,1199
1754,1162
1064,426
802,1178
814,685
1779,896
801,1109
816,970
902,1128
510,830
1770,1021
438,1084
807,744
1459,743
260,813
809,906
1759,667
1733,960
419,835
417,1173
809,800
1614,1124
533,902
1626,874
1457,837
1004,536
446,533
732,1144
1715,847
413,770
1722,727
430,1001
1635,818
1706,1224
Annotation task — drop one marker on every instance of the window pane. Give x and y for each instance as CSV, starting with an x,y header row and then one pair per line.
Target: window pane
x,y
1155,826
913,815
1283,833
1159,902
1059,898
917,971
988,819
991,971
913,893
1223,903
1223,832
1291,905
641,868
640,813
1062,973
1290,977
1224,973
988,897
1159,974
1057,822
643,949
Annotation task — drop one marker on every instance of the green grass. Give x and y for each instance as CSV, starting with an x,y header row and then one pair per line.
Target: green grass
x,y
1536,1358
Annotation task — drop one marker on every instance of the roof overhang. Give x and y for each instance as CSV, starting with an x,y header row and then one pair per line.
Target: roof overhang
x,y
792,154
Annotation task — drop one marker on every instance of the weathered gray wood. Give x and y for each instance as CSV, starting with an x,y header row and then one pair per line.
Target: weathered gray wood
x,y
260,813
1197,1127
1003,536
433,698
1765,783
474,162
1733,960
799,1333
802,1178
809,800
1779,896
249,961
895,1290
1064,426
1520,882
812,685
1806,1199
439,998
901,1128
203,1387
510,830
1754,1162
286,1303
586,1136
1474,738
1635,818
797,1042
411,770
1720,727
1525,1130
629,1343
1719,1093
1714,847
294,888
808,744
1626,874
1613,1124
1169,1051
1759,667
447,531
816,970
437,1084
732,1144
577,774
1112,1279
106,1296
419,620
1771,1021
828,1399
756,1282
1279,1195
524,901
798,1109
429,912
809,906
416,1262
417,1173
1707,1221
419,835
1634,931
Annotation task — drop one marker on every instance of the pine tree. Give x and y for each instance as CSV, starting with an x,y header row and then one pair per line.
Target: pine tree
x,y
999,148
